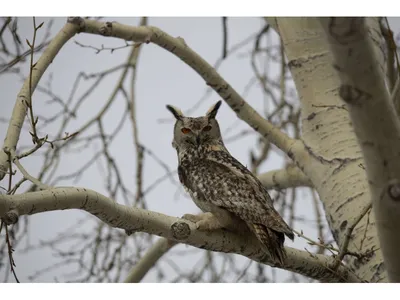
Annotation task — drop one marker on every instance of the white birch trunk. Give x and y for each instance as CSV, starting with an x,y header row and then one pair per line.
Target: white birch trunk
x,y
336,167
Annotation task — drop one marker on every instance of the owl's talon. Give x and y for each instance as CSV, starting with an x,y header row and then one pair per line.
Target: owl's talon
x,y
204,221
191,218
208,224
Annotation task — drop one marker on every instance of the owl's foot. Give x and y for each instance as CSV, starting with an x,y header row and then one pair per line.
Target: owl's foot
x,y
205,221
192,218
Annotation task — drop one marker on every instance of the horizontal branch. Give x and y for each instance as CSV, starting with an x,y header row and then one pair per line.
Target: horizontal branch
x,y
178,47
375,123
139,220
284,178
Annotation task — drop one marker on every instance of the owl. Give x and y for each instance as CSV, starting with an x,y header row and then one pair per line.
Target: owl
x,y
230,196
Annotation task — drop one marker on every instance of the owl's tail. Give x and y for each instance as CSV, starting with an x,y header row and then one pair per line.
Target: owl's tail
x,y
272,241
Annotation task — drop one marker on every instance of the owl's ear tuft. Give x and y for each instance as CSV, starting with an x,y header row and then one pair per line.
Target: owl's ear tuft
x,y
212,112
176,112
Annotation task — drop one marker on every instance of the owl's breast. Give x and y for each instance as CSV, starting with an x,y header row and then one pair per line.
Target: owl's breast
x,y
199,199
214,184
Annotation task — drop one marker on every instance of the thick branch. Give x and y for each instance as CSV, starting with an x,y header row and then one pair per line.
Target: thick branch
x,y
284,178
375,123
148,260
134,219
23,98
178,47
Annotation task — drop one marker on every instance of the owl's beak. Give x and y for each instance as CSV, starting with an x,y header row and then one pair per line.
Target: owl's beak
x,y
198,140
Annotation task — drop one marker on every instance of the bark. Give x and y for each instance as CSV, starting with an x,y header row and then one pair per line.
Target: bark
x,y
336,165
277,179
284,178
140,220
376,125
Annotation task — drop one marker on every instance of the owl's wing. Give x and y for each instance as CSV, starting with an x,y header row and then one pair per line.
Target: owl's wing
x,y
226,159
237,190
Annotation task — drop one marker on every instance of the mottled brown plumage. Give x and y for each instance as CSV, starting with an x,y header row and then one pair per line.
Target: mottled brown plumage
x,y
221,186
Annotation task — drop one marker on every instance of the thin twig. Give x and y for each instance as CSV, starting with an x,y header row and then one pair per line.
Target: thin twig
x,y
365,231
138,146
25,173
10,253
344,248
29,103
102,48
244,271
11,172
318,214
225,37
312,242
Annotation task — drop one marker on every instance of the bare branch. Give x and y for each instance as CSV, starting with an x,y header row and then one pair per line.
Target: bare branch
x,y
284,178
26,175
10,250
135,219
149,260
138,146
349,231
178,47
225,37
20,108
318,216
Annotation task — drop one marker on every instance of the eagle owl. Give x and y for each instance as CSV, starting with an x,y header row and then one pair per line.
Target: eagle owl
x,y
230,196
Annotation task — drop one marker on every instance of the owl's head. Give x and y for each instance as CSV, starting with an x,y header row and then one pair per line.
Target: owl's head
x,y
194,132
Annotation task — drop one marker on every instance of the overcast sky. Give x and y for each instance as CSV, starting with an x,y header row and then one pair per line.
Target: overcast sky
x,y
162,79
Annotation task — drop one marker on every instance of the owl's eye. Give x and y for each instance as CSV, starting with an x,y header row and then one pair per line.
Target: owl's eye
x,y
207,128
185,130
